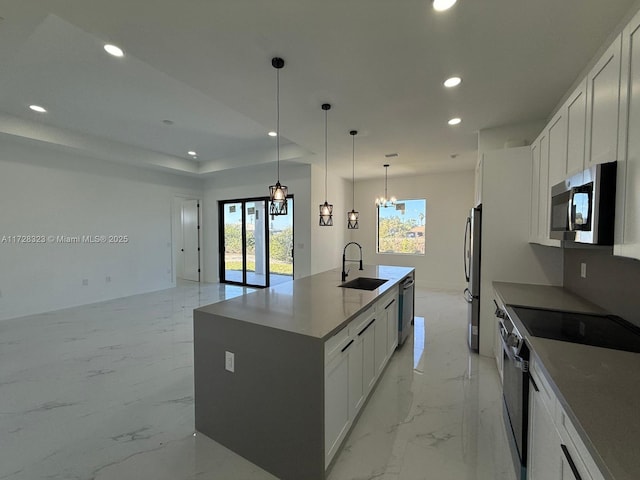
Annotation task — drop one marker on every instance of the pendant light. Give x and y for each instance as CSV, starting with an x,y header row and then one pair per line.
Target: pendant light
x,y
277,192
326,209
352,216
385,201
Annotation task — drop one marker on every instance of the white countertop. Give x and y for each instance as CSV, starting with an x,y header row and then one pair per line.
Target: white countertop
x,y
599,388
314,306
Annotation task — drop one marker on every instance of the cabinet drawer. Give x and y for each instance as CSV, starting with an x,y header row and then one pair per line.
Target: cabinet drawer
x,y
361,321
576,448
340,340
335,344
386,299
546,394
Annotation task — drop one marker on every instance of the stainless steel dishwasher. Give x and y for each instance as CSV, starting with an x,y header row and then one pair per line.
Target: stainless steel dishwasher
x,y
406,306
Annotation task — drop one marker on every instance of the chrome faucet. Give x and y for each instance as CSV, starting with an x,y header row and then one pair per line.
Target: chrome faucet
x,y
344,259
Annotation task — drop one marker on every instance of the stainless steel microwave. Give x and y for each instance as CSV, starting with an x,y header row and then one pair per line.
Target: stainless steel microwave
x,y
583,207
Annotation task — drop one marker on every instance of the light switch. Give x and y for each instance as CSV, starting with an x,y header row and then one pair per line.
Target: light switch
x,y
583,270
229,362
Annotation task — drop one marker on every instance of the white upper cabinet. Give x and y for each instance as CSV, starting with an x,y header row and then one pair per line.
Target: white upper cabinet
x,y
576,112
478,184
543,214
535,192
558,147
603,97
544,203
627,241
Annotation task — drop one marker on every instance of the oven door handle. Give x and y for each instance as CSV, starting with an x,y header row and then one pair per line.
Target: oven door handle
x,y
519,362
468,296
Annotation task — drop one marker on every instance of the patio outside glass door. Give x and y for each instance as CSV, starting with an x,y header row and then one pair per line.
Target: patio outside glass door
x,y
281,246
255,250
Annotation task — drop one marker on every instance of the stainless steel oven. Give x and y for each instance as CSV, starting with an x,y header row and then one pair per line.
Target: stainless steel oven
x,y
515,385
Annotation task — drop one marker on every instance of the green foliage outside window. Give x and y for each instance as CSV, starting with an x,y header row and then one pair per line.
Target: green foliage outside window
x,y
401,228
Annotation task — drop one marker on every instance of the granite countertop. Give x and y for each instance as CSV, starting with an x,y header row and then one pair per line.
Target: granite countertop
x,y
599,388
314,306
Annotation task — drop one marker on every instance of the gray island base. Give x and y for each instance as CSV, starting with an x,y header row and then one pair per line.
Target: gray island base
x,y
288,342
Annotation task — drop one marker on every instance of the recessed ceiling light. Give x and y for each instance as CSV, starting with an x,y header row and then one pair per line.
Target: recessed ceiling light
x,y
452,82
455,121
113,50
442,5
38,108
272,134
192,153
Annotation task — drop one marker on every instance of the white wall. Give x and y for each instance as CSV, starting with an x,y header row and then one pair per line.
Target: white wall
x,y
49,191
316,249
327,242
252,182
506,254
495,138
449,198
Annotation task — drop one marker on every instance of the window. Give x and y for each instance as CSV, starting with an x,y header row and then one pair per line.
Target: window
x,y
401,227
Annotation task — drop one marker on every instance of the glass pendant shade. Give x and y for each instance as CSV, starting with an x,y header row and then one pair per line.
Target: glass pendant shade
x,y
326,215
352,220
277,199
277,192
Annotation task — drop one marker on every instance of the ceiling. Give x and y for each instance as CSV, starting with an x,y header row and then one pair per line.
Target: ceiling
x,y
205,66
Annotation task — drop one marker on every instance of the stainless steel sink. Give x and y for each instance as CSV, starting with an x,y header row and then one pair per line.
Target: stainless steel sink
x,y
364,283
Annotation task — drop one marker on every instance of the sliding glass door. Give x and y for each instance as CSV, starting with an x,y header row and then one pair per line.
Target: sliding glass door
x,y
281,246
254,249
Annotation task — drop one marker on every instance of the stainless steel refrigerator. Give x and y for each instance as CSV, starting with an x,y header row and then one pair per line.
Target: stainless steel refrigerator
x,y
472,236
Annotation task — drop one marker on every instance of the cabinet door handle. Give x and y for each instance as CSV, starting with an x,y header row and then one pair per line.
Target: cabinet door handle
x,y
389,304
365,328
570,461
346,346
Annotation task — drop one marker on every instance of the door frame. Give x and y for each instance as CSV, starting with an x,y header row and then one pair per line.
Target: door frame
x,y
221,260
176,234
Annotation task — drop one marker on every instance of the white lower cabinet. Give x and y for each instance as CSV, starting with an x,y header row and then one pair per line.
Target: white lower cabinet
x,y
381,353
357,386
368,357
391,313
556,451
336,403
545,462
354,359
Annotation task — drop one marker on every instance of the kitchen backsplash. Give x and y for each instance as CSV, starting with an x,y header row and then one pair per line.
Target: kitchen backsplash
x,y
611,282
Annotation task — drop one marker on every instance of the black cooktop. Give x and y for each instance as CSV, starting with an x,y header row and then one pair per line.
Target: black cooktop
x,y
606,331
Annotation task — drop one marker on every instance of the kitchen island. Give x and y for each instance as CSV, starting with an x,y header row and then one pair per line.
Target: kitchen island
x,y
281,374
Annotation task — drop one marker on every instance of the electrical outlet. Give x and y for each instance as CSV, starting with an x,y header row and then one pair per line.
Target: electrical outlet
x,y
229,362
85,282
583,270
107,279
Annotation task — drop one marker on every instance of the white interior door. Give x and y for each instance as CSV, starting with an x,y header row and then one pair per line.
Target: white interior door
x,y
190,241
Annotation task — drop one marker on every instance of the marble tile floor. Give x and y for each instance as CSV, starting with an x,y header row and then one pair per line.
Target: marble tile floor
x,y
105,392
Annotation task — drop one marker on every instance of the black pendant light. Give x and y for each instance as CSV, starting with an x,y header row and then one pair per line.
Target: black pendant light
x,y
385,201
352,216
277,192
326,209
